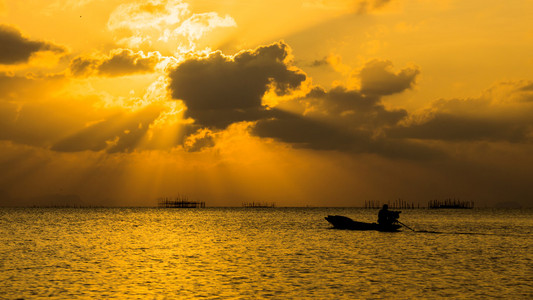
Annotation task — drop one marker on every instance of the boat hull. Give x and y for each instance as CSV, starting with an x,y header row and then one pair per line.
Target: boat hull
x,y
342,222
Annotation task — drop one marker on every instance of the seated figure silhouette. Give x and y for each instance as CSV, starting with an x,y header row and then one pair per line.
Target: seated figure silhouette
x,y
387,217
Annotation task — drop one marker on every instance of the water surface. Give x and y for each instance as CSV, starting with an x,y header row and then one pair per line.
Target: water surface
x,y
280,253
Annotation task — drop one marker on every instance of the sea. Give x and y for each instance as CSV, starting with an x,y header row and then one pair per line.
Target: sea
x,y
263,253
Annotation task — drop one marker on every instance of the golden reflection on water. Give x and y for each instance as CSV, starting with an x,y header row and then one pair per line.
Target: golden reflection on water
x,y
261,253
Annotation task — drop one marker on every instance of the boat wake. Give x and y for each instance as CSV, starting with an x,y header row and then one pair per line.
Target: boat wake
x,y
442,232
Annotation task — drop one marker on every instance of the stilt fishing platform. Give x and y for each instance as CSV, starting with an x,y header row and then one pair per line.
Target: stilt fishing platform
x,y
450,203
258,204
179,202
396,204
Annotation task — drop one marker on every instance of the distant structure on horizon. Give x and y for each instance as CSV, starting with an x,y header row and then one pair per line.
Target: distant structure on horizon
x,y
396,204
179,202
258,204
450,203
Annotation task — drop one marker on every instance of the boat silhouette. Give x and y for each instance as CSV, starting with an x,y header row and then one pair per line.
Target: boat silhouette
x,y
342,222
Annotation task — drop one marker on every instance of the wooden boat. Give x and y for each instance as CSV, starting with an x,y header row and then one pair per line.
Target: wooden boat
x,y
342,222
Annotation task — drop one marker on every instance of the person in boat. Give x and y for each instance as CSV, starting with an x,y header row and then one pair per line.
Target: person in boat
x,y
387,217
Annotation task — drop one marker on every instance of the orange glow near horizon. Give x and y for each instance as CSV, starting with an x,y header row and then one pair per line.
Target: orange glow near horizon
x,y
307,102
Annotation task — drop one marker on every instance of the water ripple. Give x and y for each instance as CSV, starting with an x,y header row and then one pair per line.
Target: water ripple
x,y
273,253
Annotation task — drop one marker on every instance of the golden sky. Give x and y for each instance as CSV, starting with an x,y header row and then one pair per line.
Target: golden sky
x,y
301,102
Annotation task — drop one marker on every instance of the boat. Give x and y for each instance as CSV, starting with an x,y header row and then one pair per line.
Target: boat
x,y
342,222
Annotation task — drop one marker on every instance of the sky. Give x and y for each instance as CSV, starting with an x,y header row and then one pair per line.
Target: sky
x,y
299,103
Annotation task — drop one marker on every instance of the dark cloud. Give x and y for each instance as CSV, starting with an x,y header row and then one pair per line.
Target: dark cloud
x,y
331,128
120,62
366,6
320,62
83,66
222,118
527,87
352,106
369,5
203,138
18,124
120,133
378,78
345,120
220,90
30,115
305,132
502,113
525,92
449,127
20,88
14,48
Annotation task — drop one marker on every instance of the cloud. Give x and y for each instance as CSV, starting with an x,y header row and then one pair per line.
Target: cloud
x,y
334,61
23,88
342,120
319,62
219,90
448,127
145,22
17,49
378,78
119,133
163,21
155,14
42,120
362,6
40,111
304,132
203,138
370,5
351,107
118,63
527,87
502,113
52,112
196,26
